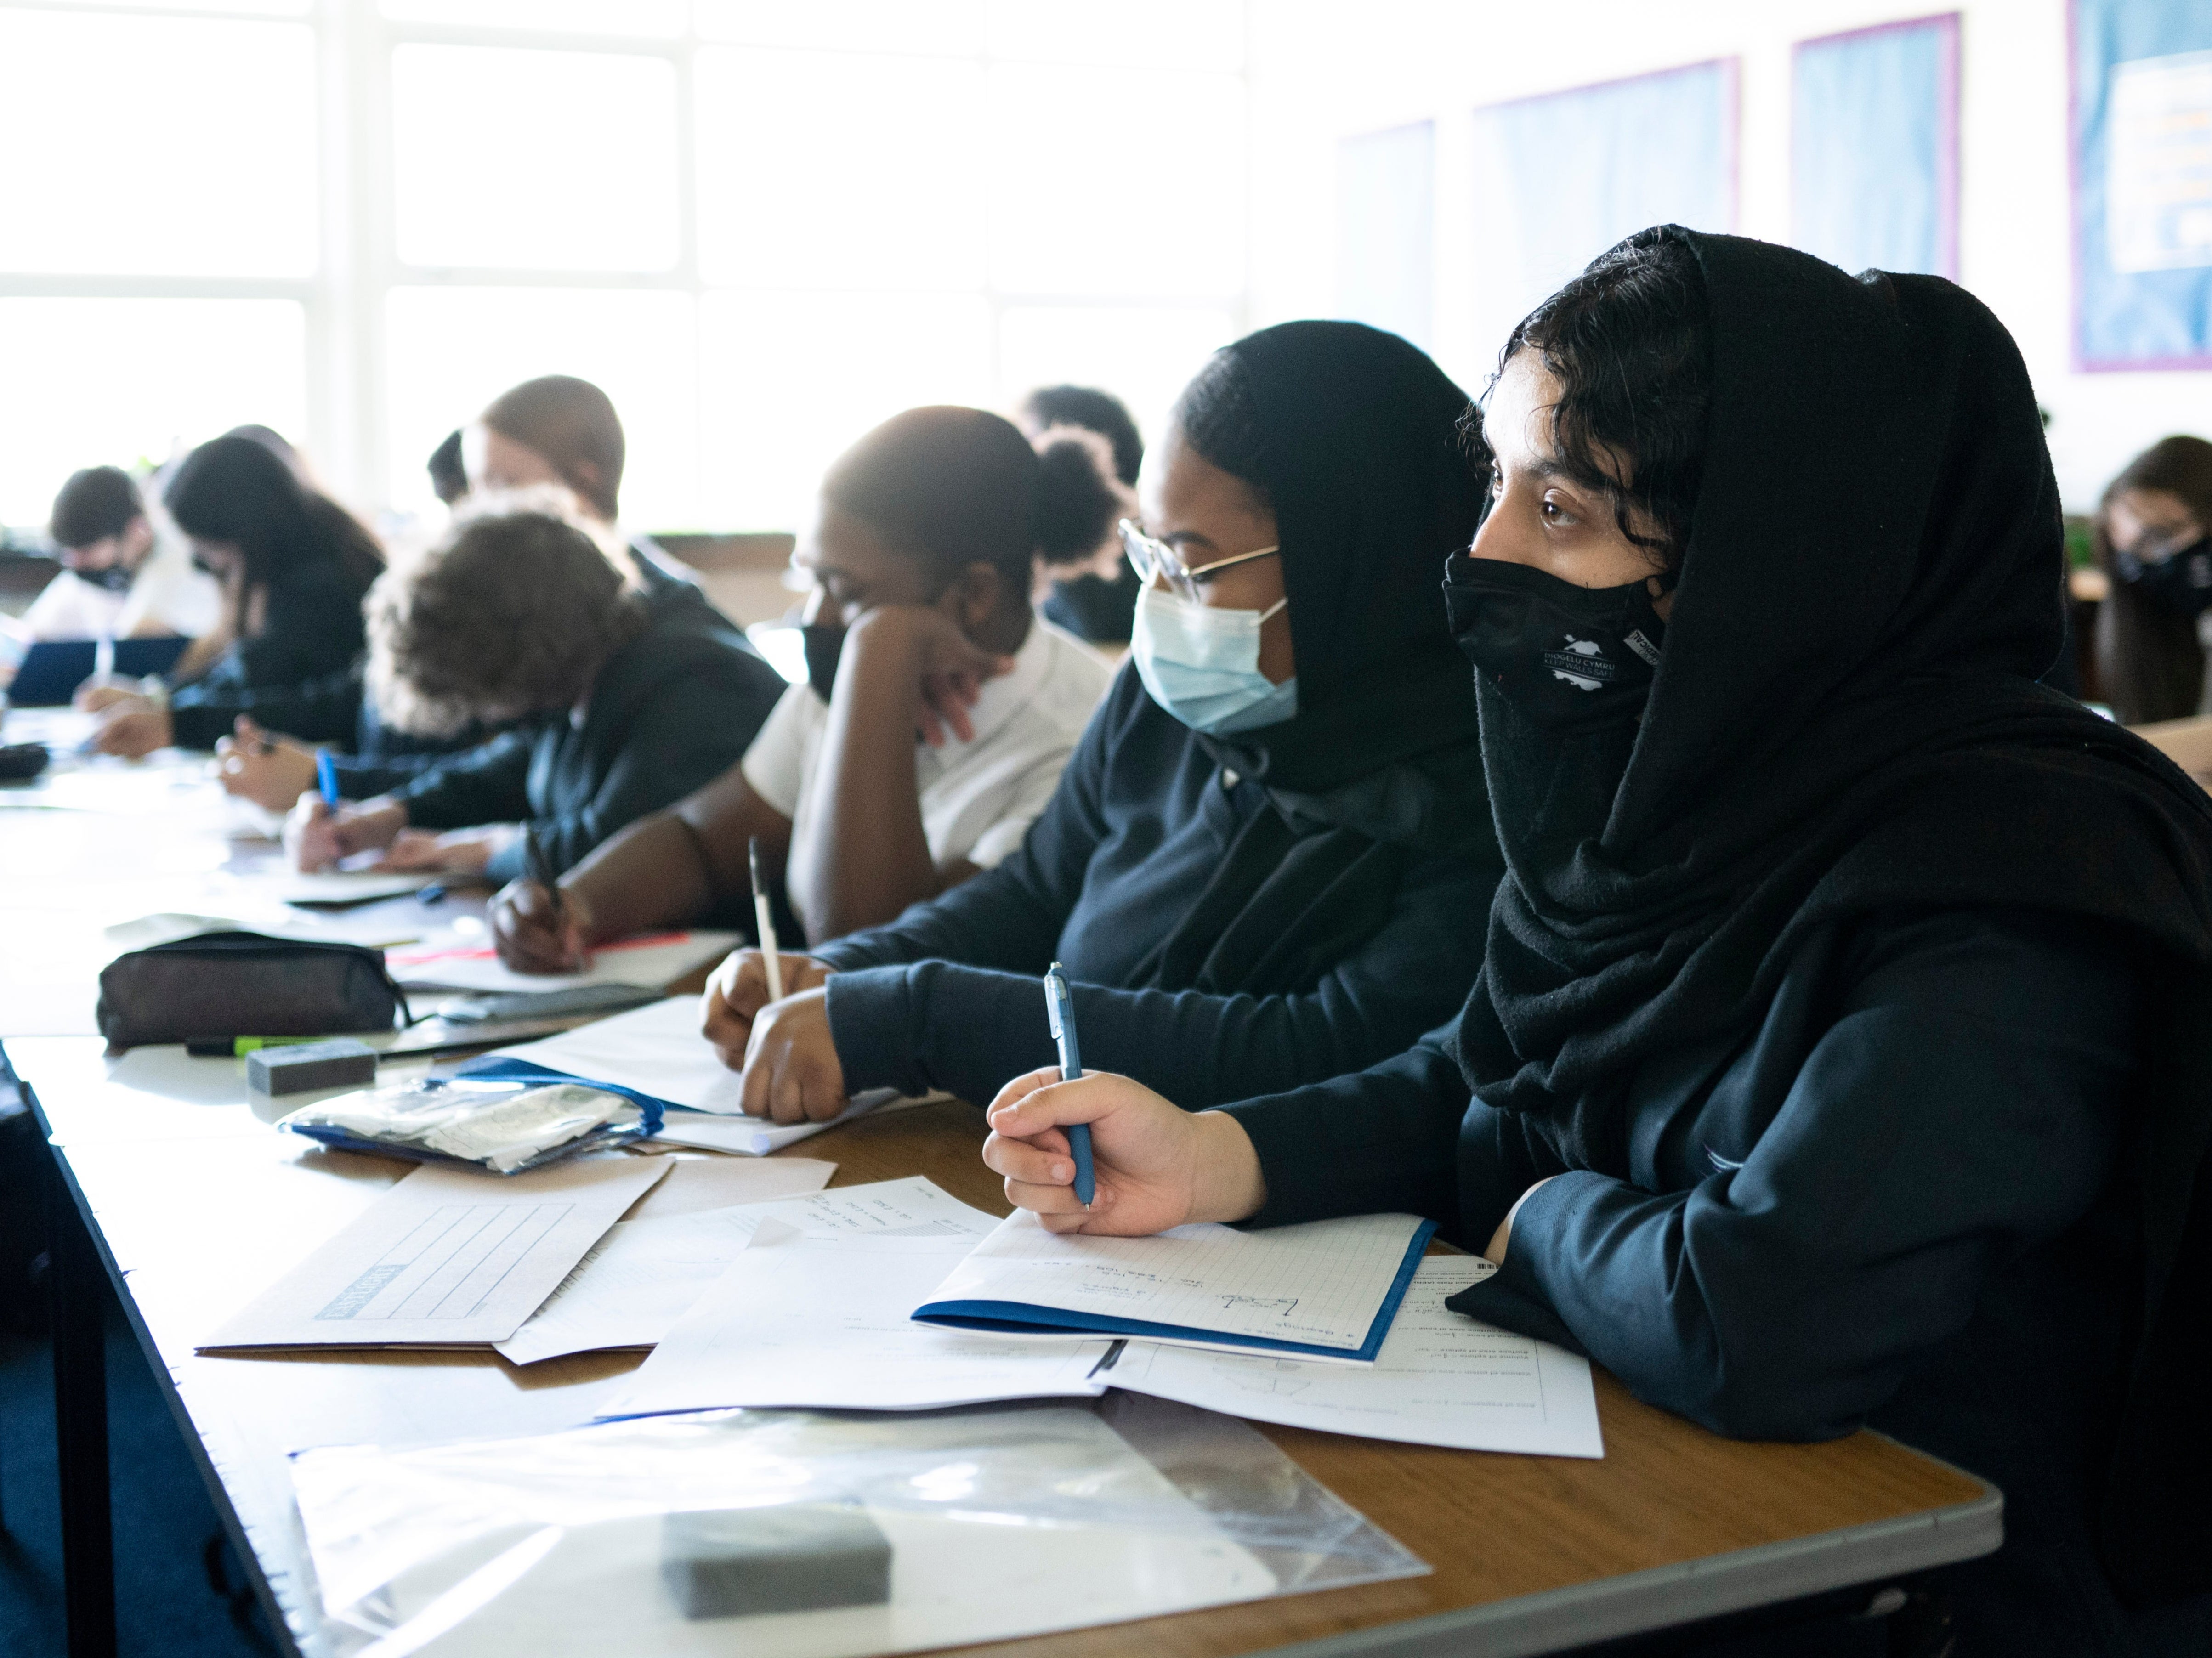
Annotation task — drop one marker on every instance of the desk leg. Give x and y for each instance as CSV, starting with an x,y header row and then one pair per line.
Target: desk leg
x,y
80,1306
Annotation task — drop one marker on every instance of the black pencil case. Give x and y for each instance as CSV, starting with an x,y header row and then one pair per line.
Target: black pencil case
x,y
245,984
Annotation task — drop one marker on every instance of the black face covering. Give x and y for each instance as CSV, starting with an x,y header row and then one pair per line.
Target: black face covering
x,y
1575,659
2181,582
114,577
1846,722
825,643
1094,609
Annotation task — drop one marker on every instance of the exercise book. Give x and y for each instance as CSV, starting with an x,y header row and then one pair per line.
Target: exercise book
x,y
1325,1290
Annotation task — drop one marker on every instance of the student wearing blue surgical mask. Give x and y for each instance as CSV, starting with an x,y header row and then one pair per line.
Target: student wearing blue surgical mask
x,y
1258,862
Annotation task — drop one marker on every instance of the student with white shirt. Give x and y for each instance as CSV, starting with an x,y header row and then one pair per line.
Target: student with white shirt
x,y
119,579
932,726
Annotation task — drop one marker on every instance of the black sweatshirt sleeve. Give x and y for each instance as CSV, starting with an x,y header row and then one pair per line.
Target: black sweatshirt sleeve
x,y
488,784
324,709
968,1029
1963,1107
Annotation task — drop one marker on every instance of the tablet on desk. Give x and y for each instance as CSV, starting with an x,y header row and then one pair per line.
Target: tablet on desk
x,y
52,669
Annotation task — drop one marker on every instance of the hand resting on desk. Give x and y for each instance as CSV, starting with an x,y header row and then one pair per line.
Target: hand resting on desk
x,y
1158,1165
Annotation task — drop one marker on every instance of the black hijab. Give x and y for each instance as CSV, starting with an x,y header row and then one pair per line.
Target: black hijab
x,y
1844,720
1353,434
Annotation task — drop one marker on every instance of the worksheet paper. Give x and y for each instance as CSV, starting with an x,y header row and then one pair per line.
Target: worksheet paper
x,y
447,1258
657,1049
651,962
343,886
820,1323
1325,1290
1441,1379
645,1274
696,1181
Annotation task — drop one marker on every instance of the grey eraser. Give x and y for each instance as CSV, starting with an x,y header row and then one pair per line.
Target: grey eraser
x,y
296,1068
795,1557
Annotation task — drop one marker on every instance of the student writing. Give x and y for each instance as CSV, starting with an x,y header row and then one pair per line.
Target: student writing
x,y
1835,1057
520,615
1254,867
293,566
119,579
921,557
554,431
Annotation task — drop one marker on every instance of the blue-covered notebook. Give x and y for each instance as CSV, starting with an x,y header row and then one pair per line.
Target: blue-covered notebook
x,y
1325,1290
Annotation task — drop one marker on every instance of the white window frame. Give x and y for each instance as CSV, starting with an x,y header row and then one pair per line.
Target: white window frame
x,y
357,260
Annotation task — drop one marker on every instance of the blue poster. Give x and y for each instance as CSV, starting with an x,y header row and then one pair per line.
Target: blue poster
x,y
1873,146
1386,191
2142,184
1561,177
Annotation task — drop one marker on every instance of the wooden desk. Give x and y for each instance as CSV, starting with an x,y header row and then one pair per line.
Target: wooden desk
x,y
195,1206
190,1205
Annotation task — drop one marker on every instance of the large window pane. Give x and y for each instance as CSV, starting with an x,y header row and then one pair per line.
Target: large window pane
x,y
451,350
660,18
157,145
1143,355
791,380
1143,33
248,7
833,171
934,26
512,158
116,381
1145,199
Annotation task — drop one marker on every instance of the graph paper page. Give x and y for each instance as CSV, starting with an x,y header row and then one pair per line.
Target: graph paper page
x,y
1320,1285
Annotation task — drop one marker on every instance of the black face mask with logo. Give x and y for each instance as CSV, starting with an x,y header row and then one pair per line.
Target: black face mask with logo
x,y
113,578
2180,583
1574,659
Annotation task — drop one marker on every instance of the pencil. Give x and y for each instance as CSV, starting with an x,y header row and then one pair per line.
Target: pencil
x,y
765,921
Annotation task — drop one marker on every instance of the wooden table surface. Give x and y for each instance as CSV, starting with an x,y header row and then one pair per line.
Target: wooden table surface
x,y
197,1206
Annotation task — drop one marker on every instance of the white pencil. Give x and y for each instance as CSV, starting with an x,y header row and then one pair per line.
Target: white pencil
x,y
765,921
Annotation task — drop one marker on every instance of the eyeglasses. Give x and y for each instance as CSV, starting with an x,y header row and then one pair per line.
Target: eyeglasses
x,y
1155,560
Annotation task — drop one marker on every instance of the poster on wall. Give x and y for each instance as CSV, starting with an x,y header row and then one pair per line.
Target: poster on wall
x,y
2142,184
1386,230
1873,146
1560,178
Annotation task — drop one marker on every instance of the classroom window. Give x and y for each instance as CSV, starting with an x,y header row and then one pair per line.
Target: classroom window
x,y
191,368
169,146
537,160
761,225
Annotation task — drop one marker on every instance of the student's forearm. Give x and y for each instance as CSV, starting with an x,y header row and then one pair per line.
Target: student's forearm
x,y
870,856
653,874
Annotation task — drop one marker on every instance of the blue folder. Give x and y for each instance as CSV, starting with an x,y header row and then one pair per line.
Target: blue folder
x,y
52,669
1020,1318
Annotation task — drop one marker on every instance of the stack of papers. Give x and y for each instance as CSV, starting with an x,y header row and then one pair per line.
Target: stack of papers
x,y
657,1051
640,1279
822,1321
652,962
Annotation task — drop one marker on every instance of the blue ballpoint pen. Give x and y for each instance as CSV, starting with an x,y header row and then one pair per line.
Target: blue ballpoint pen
x,y
1060,1010
326,777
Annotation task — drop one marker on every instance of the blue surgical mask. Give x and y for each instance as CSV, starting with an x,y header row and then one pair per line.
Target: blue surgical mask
x,y
1202,664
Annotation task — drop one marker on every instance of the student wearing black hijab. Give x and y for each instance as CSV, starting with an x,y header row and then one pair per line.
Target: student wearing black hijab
x,y
1258,862
1838,1055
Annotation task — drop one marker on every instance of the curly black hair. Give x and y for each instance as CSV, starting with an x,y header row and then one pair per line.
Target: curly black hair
x,y
513,613
1630,341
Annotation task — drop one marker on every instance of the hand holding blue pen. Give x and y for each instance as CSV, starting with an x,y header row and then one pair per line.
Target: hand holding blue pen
x,y
1060,1009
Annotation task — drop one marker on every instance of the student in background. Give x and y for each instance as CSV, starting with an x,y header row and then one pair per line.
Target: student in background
x,y
920,553
119,580
1258,865
2150,538
636,697
1094,598
293,566
1839,1055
